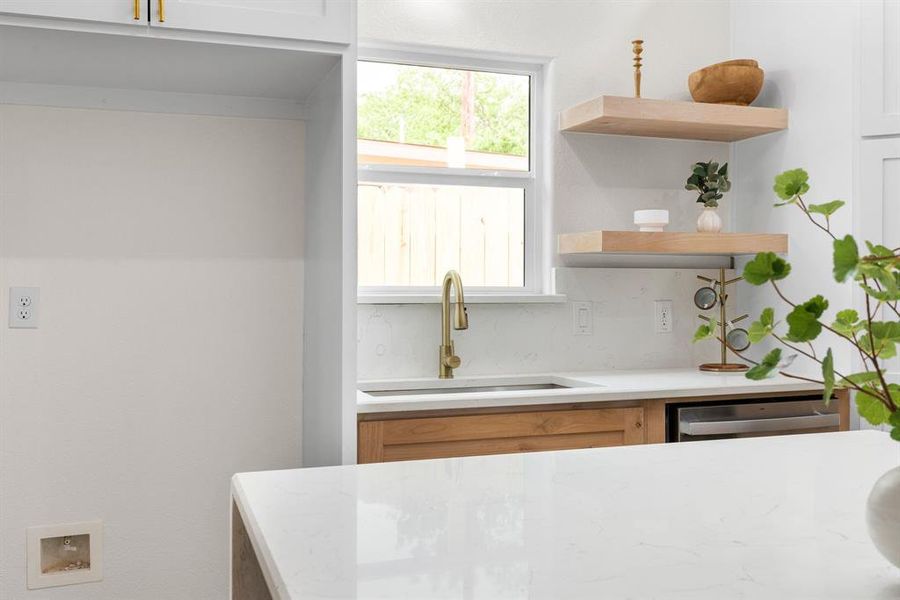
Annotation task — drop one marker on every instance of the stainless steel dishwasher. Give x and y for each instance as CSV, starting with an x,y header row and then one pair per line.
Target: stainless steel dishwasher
x,y
689,421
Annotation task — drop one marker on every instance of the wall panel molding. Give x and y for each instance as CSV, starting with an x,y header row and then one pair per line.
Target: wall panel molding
x,y
879,205
879,67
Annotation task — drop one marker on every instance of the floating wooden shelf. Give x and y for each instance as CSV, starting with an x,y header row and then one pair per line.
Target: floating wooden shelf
x,y
618,115
671,243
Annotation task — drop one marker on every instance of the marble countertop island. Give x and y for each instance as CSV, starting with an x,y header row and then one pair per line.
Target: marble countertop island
x,y
775,518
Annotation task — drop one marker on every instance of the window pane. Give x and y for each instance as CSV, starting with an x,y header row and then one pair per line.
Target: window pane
x,y
410,235
426,116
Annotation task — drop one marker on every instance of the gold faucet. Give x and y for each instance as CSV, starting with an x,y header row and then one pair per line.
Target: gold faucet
x,y
448,359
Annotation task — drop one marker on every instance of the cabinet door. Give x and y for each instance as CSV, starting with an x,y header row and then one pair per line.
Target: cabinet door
x,y
504,433
880,67
879,200
315,20
110,11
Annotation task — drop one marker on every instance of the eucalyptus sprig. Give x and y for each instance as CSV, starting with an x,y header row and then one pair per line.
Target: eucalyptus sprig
x,y
873,335
710,181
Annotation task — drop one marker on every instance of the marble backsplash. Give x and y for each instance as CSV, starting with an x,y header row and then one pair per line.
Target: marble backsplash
x,y
402,340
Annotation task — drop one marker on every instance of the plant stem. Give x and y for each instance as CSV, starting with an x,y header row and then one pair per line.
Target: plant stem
x,y
795,349
813,357
785,373
805,210
873,258
824,325
800,377
780,295
862,355
886,400
892,306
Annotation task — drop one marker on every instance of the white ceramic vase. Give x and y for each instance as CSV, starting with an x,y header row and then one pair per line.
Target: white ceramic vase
x,y
709,221
883,515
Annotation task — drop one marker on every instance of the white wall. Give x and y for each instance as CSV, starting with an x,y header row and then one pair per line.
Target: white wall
x,y
329,387
809,70
168,250
597,181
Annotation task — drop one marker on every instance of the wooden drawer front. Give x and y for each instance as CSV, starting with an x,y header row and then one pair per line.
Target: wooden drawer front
x,y
442,437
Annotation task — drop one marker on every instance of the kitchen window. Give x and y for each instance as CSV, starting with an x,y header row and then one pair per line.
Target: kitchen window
x,y
448,174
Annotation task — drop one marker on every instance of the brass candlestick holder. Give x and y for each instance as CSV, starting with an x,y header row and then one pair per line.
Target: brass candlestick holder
x,y
637,46
705,299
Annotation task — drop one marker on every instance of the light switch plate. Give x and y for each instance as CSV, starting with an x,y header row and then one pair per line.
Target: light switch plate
x,y
24,307
582,318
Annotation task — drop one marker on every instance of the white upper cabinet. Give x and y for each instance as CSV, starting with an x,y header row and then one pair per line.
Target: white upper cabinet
x,y
313,20
316,20
880,67
109,11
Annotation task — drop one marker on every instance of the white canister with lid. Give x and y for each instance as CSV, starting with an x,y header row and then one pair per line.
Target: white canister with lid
x,y
653,219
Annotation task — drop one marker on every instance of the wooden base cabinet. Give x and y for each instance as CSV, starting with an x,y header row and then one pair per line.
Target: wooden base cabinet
x,y
415,438
385,437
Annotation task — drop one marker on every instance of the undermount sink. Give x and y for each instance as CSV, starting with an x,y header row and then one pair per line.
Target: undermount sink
x,y
469,389
472,385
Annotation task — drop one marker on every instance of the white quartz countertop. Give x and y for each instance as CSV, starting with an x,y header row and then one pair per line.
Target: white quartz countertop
x,y
774,518
637,384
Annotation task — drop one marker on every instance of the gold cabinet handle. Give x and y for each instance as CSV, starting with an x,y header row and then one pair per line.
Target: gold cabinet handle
x,y
162,11
137,10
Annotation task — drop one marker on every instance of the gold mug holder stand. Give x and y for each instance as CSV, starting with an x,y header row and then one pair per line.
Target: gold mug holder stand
x,y
720,285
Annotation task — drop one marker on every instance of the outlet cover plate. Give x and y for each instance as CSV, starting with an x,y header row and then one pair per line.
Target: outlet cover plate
x,y
662,312
24,307
38,579
582,318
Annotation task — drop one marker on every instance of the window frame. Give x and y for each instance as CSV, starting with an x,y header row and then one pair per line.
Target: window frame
x,y
530,181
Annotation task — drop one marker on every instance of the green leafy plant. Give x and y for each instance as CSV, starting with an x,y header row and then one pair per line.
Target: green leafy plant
x,y
710,181
873,335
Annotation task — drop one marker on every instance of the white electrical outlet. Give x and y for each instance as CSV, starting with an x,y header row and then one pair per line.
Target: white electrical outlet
x,y
23,307
662,310
582,318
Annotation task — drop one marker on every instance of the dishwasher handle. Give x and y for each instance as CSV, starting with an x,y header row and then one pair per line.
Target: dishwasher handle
x,y
727,427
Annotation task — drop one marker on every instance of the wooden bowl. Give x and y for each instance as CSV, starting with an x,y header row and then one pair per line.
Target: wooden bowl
x,y
730,82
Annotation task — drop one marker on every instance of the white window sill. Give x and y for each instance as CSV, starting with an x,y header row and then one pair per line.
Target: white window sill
x,y
471,298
